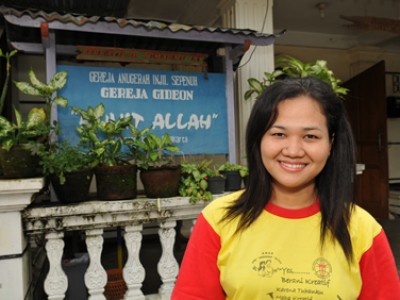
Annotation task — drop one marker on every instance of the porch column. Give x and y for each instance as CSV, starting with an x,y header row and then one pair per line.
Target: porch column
x,y
15,196
256,15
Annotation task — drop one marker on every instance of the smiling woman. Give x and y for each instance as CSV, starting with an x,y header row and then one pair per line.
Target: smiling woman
x,y
294,232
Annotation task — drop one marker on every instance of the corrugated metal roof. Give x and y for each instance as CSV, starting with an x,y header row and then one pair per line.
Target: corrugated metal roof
x,y
23,33
81,20
115,8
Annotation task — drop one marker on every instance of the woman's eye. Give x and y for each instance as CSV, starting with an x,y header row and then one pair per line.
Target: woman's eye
x,y
278,134
311,137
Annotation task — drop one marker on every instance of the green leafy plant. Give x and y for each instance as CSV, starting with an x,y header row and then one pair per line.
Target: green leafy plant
x,y
7,56
45,91
156,151
213,172
36,128
194,181
104,139
27,132
228,166
64,158
287,66
134,141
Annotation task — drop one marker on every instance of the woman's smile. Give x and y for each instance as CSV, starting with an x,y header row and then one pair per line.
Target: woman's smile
x,y
292,166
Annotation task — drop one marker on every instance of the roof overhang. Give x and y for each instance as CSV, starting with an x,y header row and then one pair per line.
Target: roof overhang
x,y
23,33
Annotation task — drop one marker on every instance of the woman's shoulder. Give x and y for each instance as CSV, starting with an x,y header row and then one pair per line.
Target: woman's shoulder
x,y
216,209
362,223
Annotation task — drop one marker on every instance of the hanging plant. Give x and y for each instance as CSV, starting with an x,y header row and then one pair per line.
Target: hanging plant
x,y
290,67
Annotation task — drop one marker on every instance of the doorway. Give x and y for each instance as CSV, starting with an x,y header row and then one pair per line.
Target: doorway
x,y
366,106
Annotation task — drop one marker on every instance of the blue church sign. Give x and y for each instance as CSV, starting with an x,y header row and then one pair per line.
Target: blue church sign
x,y
190,106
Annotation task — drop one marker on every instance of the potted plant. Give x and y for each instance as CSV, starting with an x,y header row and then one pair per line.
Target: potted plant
x,y
159,174
194,181
19,143
234,174
288,66
104,140
20,139
69,169
216,180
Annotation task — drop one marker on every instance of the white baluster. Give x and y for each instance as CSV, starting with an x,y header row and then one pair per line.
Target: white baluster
x,y
133,271
167,267
56,283
95,276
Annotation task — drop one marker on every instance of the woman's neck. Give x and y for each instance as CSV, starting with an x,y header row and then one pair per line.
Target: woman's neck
x,y
293,199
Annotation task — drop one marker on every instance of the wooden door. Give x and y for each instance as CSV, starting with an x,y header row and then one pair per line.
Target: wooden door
x,y
366,105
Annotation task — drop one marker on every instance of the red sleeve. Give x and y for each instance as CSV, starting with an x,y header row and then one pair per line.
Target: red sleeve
x,y
198,276
380,280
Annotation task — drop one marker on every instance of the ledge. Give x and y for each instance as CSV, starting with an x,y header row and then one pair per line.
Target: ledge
x,y
16,194
102,214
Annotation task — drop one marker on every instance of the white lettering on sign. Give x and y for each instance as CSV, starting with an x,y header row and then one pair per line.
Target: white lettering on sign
x,y
101,77
195,122
134,78
179,139
159,79
182,80
123,93
159,94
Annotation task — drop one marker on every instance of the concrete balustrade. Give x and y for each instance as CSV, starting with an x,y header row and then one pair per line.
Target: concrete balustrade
x,y
93,217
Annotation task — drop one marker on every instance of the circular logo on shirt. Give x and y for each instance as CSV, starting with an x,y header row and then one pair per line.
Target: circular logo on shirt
x,y
266,265
322,268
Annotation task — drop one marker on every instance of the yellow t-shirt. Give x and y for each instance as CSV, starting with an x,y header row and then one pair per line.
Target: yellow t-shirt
x,y
279,257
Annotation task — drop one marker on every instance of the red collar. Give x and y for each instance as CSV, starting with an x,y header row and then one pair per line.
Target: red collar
x,y
293,213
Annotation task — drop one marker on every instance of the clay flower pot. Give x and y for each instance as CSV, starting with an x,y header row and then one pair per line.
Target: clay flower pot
x,y
161,182
116,182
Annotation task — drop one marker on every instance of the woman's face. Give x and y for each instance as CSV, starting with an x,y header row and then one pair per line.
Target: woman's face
x,y
296,147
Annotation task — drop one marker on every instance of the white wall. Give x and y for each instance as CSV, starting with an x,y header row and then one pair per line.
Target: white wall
x,y
394,148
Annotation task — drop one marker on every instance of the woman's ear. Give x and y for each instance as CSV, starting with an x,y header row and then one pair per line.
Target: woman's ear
x,y
331,142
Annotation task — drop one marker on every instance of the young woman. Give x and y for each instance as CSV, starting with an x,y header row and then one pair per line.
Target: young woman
x,y
294,232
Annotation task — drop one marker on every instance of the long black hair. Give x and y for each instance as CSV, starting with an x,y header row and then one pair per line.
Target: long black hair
x,y
335,183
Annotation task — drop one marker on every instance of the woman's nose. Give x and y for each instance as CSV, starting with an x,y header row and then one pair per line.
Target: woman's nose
x,y
293,148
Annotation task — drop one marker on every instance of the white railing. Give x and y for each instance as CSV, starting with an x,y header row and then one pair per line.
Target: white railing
x,y
24,224
93,217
